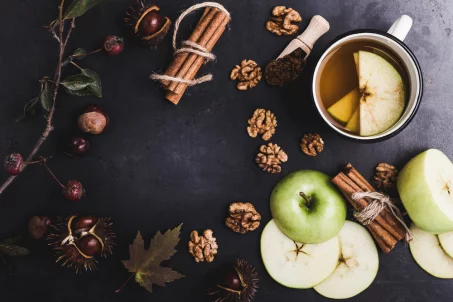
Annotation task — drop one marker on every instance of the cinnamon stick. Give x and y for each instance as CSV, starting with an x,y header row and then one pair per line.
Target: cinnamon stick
x,y
180,58
391,224
385,228
384,238
179,88
204,39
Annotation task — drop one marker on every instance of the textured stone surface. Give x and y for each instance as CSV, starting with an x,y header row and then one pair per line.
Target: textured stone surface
x,y
158,165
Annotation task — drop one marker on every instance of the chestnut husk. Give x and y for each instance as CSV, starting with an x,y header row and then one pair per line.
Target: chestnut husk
x,y
236,282
77,240
135,15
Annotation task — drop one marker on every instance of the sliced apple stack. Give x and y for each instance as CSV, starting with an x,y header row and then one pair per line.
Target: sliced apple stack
x,y
433,252
339,268
378,102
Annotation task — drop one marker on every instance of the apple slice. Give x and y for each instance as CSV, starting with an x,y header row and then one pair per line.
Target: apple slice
x,y
344,108
446,241
297,265
427,252
382,94
425,185
356,61
354,122
357,267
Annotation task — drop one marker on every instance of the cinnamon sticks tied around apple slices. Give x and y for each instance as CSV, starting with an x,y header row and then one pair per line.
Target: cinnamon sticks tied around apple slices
x,y
194,51
386,225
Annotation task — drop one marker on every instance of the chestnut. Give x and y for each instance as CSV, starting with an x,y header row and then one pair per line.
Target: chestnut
x,y
93,120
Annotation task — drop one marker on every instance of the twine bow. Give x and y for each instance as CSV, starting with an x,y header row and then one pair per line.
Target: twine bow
x,y
377,205
191,47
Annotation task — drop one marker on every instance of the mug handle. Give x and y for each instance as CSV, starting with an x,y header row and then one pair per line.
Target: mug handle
x,y
401,27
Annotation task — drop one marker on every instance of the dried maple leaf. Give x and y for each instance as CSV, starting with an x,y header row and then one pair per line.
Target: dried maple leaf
x,y
145,264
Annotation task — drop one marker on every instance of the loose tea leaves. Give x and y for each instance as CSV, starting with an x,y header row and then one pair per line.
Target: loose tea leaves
x,y
281,72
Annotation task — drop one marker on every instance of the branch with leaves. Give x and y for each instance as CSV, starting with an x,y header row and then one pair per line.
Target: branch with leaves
x,y
87,83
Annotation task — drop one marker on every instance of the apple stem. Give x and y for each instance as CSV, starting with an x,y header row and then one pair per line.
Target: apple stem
x,y
307,199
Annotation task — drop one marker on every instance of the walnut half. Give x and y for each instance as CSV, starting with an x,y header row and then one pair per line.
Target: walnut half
x,y
312,144
248,74
262,122
243,217
270,158
203,248
385,177
282,21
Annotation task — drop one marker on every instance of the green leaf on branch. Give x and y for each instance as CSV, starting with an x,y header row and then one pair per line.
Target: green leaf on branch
x,y
79,53
77,82
8,247
96,87
146,264
46,97
29,109
79,7
81,92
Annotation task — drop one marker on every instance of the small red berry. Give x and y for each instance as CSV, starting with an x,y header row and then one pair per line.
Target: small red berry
x,y
73,190
113,45
79,146
14,164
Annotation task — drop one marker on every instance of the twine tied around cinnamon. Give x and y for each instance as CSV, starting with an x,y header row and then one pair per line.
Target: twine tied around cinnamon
x,y
191,47
379,203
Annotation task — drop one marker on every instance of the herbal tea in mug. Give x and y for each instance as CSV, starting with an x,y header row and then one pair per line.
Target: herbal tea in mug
x,y
363,86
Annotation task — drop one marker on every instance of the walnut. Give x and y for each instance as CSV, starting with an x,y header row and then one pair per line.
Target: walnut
x,y
385,177
281,22
312,144
270,157
203,248
248,74
263,122
243,217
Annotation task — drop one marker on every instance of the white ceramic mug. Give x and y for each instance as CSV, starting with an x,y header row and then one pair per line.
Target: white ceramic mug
x,y
392,40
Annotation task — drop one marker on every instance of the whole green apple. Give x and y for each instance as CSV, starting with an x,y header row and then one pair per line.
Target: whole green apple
x,y
425,186
307,207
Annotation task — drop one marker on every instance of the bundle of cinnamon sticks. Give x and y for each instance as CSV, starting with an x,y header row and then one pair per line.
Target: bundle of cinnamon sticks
x,y
385,228
185,65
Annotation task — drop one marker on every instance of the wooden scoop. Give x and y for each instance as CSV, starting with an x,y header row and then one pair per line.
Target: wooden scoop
x,y
305,41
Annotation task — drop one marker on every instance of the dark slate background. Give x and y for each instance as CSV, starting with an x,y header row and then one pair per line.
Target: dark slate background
x,y
158,165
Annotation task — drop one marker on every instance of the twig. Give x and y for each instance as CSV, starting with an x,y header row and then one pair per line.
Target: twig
x,y
53,175
62,41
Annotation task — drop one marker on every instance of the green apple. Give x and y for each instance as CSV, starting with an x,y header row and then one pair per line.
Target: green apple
x,y
425,186
307,207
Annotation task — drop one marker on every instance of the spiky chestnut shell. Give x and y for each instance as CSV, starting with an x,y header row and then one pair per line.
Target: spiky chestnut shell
x,y
77,240
147,23
235,283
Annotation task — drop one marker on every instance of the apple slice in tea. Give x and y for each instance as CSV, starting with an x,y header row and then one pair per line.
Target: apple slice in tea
x,y
294,264
354,122
344,108
356,61
357,266
428,253
382,94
